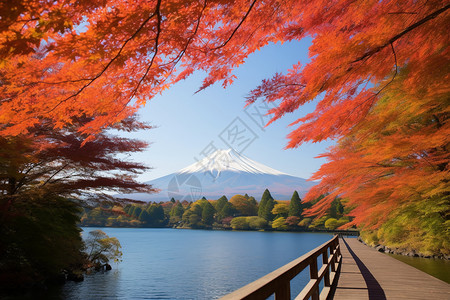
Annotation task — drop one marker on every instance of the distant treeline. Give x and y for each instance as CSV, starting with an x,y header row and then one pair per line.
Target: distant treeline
x,y
241,212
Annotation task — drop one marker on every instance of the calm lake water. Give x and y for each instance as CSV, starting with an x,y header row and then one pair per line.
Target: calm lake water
x,y
191,264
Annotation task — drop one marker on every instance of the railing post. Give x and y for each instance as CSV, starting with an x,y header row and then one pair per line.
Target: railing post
x,y
326,277
333,259
313,273
338,250
284,291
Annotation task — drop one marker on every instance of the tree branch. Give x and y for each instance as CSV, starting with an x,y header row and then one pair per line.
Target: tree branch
x,y
237,27
405,31
112,60
158,33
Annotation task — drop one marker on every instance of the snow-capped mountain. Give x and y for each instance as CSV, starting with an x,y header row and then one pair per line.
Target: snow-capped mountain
x,y
225,172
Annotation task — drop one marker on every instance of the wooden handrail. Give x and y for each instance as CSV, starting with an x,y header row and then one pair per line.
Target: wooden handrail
x,y
279,281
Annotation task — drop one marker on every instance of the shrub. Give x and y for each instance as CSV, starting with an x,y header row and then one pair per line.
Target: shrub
x,y
331,224
279,224
240,223
257,223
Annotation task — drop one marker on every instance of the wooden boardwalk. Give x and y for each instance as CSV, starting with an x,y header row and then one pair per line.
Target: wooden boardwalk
x,y
369,274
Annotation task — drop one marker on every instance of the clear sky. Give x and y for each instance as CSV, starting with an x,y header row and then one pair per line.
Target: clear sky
x,y
187,123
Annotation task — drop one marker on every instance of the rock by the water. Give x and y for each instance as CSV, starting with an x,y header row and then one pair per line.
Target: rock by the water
x,y
75,277
380,248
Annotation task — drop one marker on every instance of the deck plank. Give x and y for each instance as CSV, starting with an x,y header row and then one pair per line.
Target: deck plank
x,y
369,274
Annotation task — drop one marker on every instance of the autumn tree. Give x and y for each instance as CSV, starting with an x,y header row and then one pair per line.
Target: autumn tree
x,y
44,177
280,210
383,61
245,206
49,160
148,45
101,248
293,221
279,224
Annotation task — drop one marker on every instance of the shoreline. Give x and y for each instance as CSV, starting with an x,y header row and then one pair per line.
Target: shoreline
x,y
354,233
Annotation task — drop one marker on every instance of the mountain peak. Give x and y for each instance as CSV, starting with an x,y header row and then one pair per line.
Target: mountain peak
x,y
224,172
229,160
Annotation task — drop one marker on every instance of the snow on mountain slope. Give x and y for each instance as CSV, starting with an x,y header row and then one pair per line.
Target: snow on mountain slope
x,y
229,160
224,172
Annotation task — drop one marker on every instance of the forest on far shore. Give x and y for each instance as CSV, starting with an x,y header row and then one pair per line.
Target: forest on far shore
x,y
240,212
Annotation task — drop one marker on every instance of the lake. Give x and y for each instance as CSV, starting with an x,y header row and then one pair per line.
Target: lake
x,y
191,264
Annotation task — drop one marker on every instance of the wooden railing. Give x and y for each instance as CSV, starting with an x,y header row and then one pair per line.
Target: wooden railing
x,y
344,233
279,281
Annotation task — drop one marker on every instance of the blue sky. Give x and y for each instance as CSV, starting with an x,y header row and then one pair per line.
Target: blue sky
x,y
190,125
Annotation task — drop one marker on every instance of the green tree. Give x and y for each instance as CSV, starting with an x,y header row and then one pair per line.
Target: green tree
x,y
127,208
97,216
137,212
253,202
266,205
279,224
196,209
224,208
208,213
177,210
131,210
144,217
218,205
336,209
295,206
193,216
156,215
194,220
226,211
